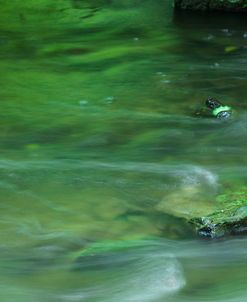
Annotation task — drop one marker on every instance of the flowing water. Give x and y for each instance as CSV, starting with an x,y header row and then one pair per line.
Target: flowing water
x,y
102,157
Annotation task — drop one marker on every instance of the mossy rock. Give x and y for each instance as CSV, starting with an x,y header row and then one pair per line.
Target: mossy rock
x,y
231,219
205,5
211,215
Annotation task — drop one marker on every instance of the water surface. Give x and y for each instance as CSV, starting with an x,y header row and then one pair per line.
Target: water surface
x,y
99,145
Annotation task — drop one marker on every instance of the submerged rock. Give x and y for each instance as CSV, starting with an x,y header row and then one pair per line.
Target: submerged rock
x,y
187,202
205,5
211,213
193,196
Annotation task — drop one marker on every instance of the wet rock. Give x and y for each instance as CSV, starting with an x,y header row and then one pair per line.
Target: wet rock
x,y
211,215
219,224
205,5
231,219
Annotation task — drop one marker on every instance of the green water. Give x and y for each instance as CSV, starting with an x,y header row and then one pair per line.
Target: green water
x,y
102,157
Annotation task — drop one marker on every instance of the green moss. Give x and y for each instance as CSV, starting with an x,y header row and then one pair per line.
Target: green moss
x,y
230,219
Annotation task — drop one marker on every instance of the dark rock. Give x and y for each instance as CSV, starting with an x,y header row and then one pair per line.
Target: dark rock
x,y
205,5
222,223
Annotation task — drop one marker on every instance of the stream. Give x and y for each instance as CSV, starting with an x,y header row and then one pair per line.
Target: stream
x,y
103,159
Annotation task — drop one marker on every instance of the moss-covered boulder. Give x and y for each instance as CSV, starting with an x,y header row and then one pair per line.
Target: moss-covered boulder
x,y
230,219
221,223
212,215
204,5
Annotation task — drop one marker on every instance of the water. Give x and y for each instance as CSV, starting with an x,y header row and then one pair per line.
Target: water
x,y
102,160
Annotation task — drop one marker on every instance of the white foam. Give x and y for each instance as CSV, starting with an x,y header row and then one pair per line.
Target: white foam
x,y
152,277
